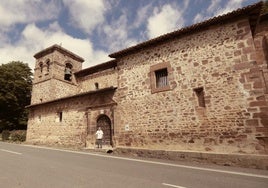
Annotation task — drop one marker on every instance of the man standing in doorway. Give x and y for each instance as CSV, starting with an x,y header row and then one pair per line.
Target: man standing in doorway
x,y
99,134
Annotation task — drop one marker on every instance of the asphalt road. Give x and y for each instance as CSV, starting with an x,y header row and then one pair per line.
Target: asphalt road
x,y
38,167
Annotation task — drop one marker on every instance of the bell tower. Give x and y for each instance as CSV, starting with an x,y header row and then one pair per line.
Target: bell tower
x,y
53,74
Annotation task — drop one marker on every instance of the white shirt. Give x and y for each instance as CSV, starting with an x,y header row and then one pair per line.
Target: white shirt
x,y
99,134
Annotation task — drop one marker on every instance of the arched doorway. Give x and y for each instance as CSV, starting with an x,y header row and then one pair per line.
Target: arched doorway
x,y
105,123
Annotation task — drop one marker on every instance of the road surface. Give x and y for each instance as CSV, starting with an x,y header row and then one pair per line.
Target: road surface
x,y
25,166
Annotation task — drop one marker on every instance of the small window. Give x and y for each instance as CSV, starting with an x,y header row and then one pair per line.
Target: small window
x,y
161,77
200,96
96,85
48,65
39,118
59,119
41,67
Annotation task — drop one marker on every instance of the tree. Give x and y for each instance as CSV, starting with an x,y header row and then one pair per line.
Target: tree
x,y
15,94
265,8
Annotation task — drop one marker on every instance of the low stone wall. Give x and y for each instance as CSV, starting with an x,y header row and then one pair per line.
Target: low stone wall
x,y
238,160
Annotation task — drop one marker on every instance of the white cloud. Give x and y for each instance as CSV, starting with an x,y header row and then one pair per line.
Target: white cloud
x,y
210,11
115,34
199,17
142,14
86,14
34,39
216,8
164,20
230,6
27,11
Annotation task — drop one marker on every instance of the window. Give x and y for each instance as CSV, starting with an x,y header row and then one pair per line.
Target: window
x,y
200,96
96,85
39,119
48,65
41,67
59,118
160,76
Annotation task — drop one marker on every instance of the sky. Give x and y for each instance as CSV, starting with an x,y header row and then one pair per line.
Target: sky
x,y
93,29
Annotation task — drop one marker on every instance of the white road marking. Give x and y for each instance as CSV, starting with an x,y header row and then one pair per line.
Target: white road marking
x,y
155,162
170,185
10,151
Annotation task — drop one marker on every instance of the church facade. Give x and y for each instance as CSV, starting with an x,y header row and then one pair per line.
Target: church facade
x,y
200,88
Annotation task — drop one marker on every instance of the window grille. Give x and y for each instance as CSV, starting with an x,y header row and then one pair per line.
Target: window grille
x,y
161,78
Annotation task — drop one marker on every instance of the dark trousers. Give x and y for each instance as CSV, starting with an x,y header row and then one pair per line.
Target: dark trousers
x,y
99,143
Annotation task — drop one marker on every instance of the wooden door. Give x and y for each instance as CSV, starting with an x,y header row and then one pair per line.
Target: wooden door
x,y
105,123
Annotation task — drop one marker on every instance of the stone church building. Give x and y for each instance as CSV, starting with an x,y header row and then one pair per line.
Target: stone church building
x,y
200,88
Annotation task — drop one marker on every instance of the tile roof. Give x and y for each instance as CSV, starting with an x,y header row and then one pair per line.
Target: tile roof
x,y
102,90
60,49
96,68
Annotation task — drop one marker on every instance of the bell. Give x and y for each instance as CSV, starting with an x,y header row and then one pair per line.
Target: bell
x,y
67,74
68,71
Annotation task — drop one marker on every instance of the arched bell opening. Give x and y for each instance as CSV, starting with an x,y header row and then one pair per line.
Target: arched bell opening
x,y
68,72
48,65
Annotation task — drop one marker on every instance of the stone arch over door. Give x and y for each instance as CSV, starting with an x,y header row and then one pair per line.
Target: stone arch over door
x,y
104,122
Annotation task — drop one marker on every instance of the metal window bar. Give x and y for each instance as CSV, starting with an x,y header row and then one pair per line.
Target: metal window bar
x,y
161,78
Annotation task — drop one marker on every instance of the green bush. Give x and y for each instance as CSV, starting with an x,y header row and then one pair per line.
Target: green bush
x,y
18,135
5,135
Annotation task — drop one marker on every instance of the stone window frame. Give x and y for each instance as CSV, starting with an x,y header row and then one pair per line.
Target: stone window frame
x,y
153,79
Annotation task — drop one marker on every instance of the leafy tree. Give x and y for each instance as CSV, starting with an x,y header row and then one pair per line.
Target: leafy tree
x,y
265,8
15,94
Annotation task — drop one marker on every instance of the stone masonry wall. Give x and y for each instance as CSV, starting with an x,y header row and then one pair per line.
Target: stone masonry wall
x,y
78,125
42,91
105,79
215,59
44,126
51,79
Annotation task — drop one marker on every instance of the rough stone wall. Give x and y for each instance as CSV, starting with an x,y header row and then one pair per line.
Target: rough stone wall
x,y
44,126
215,59
52,89
57,66
105,79
52,80
257,81
79,118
